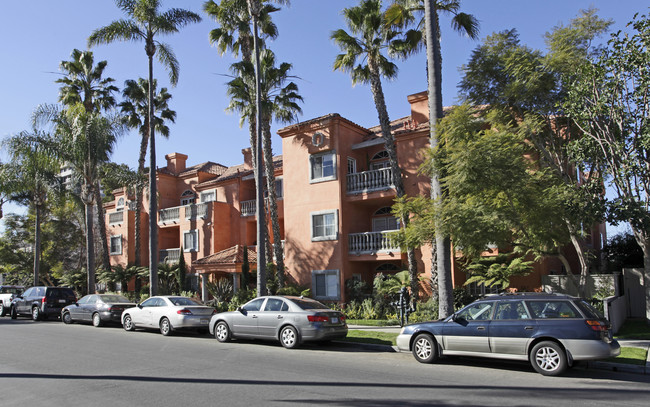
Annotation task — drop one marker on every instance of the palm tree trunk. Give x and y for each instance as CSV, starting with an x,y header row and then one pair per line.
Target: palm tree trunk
x,y
441,251
153,193
90,247
101,221
37,244
139,191
273,204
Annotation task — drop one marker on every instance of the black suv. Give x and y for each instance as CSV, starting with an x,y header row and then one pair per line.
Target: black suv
x,y
41,302
551,331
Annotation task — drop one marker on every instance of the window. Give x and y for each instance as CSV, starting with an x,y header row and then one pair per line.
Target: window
x,y
278,189
120,205
511,310
116,244
324,225
326,285
254,305
323,166
352,165
191,240
477,312
380,160
552,309
188,197
209,196
274,304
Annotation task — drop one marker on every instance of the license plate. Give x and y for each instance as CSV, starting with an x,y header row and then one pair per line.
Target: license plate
x,y
62,301
205,321
334,320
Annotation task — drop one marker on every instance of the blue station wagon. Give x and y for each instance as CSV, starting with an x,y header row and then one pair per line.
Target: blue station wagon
x,y
551,331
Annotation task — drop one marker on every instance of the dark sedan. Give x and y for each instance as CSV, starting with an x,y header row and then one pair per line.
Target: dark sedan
x,y
96,308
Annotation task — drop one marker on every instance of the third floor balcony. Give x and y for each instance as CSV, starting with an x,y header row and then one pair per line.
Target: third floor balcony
x,y
368,181
372,242
191,212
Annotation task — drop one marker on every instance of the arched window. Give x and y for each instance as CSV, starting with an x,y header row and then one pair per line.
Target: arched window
x,y
188,197
383,219
380,160
120,205
387,267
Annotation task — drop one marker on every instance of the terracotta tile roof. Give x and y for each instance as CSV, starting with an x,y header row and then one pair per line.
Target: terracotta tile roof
x,y
207,167
232,255
237,171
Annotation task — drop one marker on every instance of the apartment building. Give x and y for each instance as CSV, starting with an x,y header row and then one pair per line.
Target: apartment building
x,y
335,192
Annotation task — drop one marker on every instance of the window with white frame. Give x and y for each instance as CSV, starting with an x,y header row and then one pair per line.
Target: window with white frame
x,y
279,189
322,166
380,160
383,219
326,284
191,240
209,196
120,205
352,165
324,225
116,245
188,197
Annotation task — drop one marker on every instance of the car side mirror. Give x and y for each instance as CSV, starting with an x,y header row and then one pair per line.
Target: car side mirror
x,y
240,309
455,317
139,306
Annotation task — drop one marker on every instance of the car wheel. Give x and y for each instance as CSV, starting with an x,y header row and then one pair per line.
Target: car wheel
x,y
165,327
3,310
66,318
127,323
36,314
425,349
289,337
548,358
97,320
222,332
13,313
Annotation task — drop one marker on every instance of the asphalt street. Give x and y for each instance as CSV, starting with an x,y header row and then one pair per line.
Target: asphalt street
x,y
52,364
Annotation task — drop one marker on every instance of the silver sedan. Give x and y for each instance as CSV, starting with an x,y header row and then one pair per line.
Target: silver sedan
x,y
167,313
291,320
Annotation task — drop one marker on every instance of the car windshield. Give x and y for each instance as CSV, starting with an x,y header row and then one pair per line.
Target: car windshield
x,y
306,303
60,293
114,298
183,301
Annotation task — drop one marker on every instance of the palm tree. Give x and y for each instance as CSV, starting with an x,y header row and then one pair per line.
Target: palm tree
x,y
373,36
279,102
401,14
85,141
135,110
83,83
30,177
145,23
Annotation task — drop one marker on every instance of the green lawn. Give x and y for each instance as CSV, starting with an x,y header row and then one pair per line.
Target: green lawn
x,y
378,338
631,356
634,329
373,322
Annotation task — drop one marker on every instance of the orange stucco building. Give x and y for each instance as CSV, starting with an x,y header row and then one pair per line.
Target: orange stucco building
x,y
334,189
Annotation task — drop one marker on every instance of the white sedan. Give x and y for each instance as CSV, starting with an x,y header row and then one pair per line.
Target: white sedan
x,y
168,313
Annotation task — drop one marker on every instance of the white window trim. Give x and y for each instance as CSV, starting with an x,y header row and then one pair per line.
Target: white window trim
x,y
337,295
352,163
335,236
334,164
191,249
210,191
110,245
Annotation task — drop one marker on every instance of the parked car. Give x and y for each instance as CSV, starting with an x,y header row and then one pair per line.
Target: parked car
x,y
551,331
7,294
168,313
291,320
42,302
96,308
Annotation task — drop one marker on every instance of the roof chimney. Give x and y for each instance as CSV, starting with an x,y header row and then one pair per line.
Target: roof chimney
x,y
176,162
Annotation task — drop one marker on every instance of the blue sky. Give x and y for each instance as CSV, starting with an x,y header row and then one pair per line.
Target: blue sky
x,y
37,34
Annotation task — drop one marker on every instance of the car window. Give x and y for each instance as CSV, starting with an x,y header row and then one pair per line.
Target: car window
x,y
477,312
151,302
589,310
511,310
113,298
275,304
552,309
28,292
92,299
40,292
306,304
83,301
66,293
254,305
183,301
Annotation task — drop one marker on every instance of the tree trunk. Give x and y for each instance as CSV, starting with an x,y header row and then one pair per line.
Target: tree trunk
x,y
139,192
273,204
101,221
643,239
37,244
153,193
90,247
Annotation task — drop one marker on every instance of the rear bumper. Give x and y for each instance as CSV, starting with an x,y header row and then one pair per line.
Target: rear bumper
x,y
320,333
190,321
581,349
108,316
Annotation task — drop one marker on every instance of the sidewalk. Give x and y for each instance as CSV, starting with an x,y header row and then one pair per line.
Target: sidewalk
x,y
617,367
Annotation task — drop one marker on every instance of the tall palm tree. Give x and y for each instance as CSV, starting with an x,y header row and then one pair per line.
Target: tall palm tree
x,y
278,102
84,140
135,109
401,14
30,177
363,57
145,23
83,83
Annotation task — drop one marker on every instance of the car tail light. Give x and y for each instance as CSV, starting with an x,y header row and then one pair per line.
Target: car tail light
x,y
317,318
184,311
342,318
596,325
44,300
214,311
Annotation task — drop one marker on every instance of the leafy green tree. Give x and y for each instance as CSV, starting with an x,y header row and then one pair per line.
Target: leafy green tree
x,y
403,13
497,270
363,57
609,104
135,109
622,251
168,276
145,23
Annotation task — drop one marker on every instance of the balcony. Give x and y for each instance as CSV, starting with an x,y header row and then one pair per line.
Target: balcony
x,y
371,242
169,255
195,211
169,215
248,208
367,181
115,218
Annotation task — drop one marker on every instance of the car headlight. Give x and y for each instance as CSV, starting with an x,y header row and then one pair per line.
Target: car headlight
x,y
402,330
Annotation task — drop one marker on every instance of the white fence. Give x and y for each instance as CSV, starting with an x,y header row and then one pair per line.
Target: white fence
x,y
566,285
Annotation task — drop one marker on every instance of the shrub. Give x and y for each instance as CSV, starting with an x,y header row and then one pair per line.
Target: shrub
x,y
462,297
221,290
353,310
426,311
357,290
368,309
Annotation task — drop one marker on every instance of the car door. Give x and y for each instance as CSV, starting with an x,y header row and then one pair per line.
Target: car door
x,y
142,315
511,329
271,317
88,307
244,321
468,330
20,302
76,309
